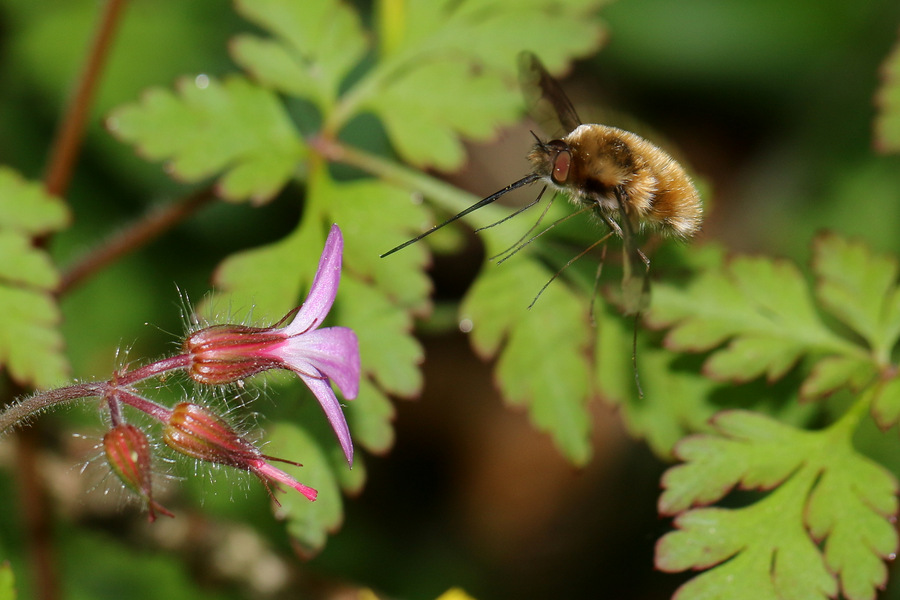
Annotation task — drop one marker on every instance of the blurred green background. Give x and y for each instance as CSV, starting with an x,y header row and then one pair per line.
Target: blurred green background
x,y
771,103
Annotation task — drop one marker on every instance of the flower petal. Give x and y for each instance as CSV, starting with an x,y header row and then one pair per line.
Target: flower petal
x,y
334,351
266,471
324,286
325,395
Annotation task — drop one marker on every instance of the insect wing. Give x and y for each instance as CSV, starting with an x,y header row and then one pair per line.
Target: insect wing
x,y
544,97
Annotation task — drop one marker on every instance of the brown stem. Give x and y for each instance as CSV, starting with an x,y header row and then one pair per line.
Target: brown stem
x,y
156,222
35,511
63,154
67,144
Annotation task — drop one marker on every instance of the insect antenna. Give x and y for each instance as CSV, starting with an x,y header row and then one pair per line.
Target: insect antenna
x,y
518,211
530,178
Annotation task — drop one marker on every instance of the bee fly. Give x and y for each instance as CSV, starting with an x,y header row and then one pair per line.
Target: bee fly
x,y
627,182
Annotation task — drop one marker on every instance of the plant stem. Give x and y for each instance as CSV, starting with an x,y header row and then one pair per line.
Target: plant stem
x,y
448,197
29,406
67,144
155,223
63,155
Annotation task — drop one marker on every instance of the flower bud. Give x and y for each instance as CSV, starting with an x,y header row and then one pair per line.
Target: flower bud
x,y
128,453
199,433
223,354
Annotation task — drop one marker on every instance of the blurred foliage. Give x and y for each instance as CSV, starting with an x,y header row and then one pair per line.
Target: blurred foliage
x,y
771,103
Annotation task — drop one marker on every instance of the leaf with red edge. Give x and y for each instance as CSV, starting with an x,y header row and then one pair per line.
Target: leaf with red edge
x,y
210,127
835,372
822,490
860,288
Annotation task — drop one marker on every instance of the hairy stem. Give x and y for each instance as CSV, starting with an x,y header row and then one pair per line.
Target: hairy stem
x,y
29,406
63,155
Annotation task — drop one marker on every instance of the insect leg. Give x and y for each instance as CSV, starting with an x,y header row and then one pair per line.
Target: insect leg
x,y
571,260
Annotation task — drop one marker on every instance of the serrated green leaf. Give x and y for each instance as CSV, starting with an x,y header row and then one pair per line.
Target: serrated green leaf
x,y
853,505
494,32
823,490
764,305
319,42
859,287
675,401
543,364
208,127
427,110
370,417
27,208
375,216
30,343
448,68
308,522
886,403
268,280
834,372
887,121
23,264
748,450
390,354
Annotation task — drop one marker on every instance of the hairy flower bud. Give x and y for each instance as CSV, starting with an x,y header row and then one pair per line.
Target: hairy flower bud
x,y
197,432
128,453
227,353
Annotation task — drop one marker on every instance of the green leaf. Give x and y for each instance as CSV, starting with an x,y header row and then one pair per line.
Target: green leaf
x,y
370,417
675,401
822,489
494,32
268,280
835,372
763,306
427,110
859,287
851,505
447,69
31,346
209,127
886,403
308,522
318,43
390,354
887,121
543,363
374,217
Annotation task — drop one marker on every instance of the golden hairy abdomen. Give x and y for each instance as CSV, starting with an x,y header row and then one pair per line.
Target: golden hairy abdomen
x,y
659,193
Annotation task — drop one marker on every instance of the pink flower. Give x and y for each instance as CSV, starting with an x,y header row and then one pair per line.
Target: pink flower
x,y
196,432
228,353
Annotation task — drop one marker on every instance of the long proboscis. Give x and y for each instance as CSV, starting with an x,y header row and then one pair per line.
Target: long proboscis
x,y
531,178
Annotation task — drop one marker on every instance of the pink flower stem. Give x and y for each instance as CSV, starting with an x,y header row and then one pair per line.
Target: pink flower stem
x,y
154,369
115,390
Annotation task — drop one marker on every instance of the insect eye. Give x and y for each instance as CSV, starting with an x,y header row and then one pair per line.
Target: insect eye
x,y
561,166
